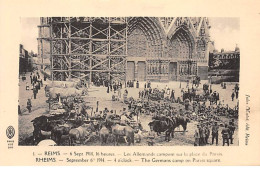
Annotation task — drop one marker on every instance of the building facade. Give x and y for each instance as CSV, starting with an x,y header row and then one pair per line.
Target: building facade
x,y
133,48
25,60
224,66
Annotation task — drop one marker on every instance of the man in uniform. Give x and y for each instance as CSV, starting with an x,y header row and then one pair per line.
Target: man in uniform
x,y
29,105
225,135
207,133
172,97
105,111
151,136
137,84
236,90
232,96
231,128
35,91
215,133
139,106
202,134
197,136
186,104
31,77
194,105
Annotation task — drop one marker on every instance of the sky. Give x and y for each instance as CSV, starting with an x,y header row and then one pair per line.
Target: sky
x,y
224,32
29,33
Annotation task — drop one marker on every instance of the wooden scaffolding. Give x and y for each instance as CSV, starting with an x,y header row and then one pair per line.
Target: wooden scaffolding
x,y
86,47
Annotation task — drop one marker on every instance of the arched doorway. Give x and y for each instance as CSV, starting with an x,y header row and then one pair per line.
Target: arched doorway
x,y
182,50
144,41
181,44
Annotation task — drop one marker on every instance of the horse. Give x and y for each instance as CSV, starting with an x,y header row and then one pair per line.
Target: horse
x,y
63,93
80,133
111,120
123,131
163,124
59,130
97,122
180,121
103,134
42,126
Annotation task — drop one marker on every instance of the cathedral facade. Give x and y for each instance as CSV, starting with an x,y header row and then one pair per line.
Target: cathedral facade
x,y
167,48
125,48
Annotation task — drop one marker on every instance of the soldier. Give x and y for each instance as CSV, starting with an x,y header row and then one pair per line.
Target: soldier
x,y
137,84
187,86
31,77
202,135
172,97
215,133
207,130
110,86
29,105
197,136
114,87
232,96
139,94
151,136
231,131
35,91
97,106
186,104
105,111
225,135
148,84
236,90
41,82
194,105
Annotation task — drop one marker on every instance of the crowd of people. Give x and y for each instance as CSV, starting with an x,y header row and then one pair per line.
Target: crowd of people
x,y
208,116
203,132
114,86
204,107
35,84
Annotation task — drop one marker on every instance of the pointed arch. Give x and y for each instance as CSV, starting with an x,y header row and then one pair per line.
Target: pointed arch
x,y
185,40
153,32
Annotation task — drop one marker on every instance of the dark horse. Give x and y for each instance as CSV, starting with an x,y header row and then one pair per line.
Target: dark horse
x,y
180,121
163,124
40,124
